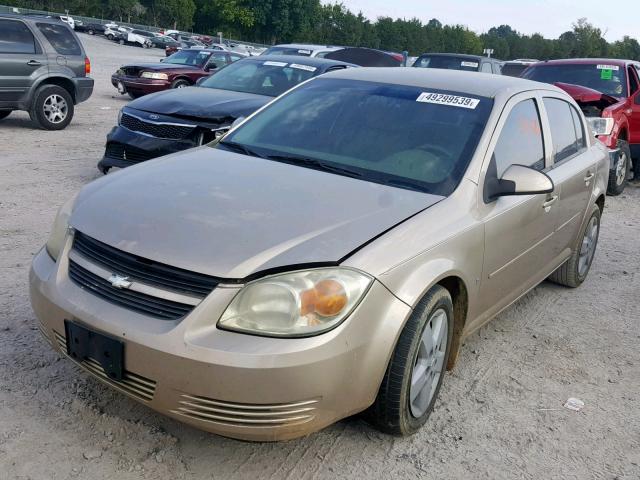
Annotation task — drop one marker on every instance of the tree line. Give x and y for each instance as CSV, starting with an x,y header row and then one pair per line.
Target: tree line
x,y
282,21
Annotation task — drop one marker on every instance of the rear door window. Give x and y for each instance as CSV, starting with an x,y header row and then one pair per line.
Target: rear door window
x,y
633,81
486,67
563,130
61,38
520,141
15,37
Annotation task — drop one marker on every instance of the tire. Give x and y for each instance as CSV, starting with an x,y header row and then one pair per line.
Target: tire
x,y
90,32
619,174
5,113
121,41
572,273
180,83
133,95
110,37
52,108
393,410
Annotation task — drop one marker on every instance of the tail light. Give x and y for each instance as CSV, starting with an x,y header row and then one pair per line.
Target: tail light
x,y
87,66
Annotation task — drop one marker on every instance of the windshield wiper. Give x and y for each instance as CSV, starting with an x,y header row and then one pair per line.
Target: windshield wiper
x,y
316,164
238,147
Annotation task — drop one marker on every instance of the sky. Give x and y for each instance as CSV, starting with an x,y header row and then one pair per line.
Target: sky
x,y
547,17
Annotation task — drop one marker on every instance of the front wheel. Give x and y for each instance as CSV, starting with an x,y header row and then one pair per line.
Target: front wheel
x,y
619,172
415,372
180,83
574,271
90,32
4,113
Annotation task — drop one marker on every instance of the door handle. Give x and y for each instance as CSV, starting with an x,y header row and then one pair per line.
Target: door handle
x,y
588,178
34,63
550,201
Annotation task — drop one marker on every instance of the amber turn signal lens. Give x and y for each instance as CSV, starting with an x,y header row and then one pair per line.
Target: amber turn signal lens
x,y
328,298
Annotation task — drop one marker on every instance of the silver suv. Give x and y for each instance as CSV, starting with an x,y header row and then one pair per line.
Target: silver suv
x,y
43,70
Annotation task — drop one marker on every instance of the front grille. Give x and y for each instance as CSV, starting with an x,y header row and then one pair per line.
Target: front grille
x,y
135,385
245,415
130,299
119,151
142,269
159,130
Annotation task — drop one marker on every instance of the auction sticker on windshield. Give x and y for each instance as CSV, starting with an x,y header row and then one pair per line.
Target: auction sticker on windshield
x,y
469,64
275,64
444,99
608,67
308,68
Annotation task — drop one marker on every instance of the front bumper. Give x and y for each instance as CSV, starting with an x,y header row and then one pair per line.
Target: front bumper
x,y
125,148
232,384
140,86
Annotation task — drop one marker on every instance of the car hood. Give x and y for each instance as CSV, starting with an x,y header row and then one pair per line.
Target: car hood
x,y
229,215
201,102
586,95
160,66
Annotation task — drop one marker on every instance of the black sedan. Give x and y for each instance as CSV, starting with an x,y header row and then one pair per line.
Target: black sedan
x,y
174,120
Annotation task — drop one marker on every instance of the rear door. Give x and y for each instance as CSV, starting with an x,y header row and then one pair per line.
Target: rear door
x,y
22,61
573,168
67,56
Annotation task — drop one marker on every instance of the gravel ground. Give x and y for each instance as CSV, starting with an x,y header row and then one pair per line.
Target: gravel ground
x,y
500,413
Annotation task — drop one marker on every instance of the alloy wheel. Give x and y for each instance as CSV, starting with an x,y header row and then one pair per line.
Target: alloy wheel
x,y
429,364
588,247
621,168
55,108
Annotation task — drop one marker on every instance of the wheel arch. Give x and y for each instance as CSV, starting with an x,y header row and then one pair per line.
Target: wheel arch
x,y
59,81
182,77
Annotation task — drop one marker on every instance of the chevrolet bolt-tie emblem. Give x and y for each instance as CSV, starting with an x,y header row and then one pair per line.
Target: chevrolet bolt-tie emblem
x,y
118,281
154,116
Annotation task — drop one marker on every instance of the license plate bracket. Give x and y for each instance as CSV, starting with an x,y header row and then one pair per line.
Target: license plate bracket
x,y
84,343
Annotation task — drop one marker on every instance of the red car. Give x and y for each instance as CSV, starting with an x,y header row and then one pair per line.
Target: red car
x,y
608,92
181,69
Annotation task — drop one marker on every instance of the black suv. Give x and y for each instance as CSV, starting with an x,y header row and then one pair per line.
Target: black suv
x,y
43,70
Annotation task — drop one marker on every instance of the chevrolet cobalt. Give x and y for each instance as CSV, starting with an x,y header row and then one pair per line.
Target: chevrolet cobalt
x,y
329,254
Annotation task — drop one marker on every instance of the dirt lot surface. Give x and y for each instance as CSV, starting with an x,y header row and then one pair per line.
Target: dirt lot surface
x,y
500,414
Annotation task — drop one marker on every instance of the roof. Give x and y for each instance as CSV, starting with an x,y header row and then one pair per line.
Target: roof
x,y
307,46
310,61
33,17
586,61
461,55
473,83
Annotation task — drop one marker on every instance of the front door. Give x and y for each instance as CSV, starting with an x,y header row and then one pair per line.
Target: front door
x,y
519,230
22,61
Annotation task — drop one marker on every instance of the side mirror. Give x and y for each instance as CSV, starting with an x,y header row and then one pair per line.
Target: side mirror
x,y
200,80
237,121
518,180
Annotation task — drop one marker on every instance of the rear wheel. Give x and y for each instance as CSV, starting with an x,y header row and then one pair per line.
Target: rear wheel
x,y
416,369
52,108
180,83
121,41
4,113
574,271
619,172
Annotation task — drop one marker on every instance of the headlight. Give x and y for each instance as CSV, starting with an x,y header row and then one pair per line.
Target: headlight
x,y
58,235
155,75
600,126
296,304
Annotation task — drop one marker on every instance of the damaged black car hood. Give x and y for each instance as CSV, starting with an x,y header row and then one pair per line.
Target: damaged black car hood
x,y
201,102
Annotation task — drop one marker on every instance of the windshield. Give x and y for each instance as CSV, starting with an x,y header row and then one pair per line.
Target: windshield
x,y
196,58
261,77
448,63
303,52
609,79
408,137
